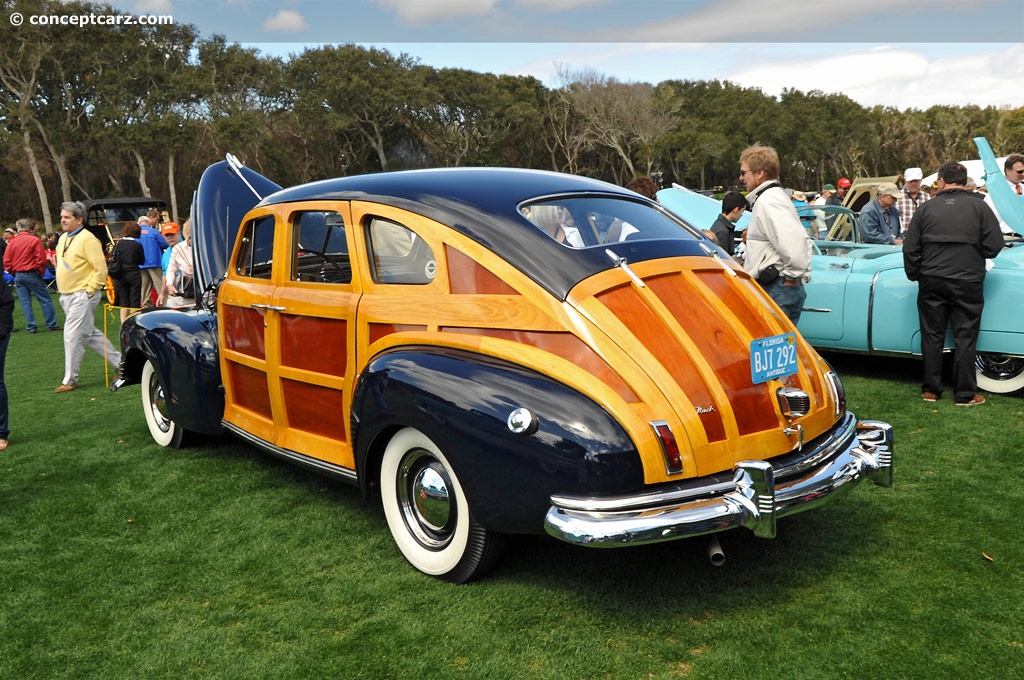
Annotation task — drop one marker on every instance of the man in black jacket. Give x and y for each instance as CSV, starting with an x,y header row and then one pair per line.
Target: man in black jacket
x,y
944,250
724,228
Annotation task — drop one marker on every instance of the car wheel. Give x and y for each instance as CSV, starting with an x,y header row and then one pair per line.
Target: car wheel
x,y
164,430
1000,373
427,511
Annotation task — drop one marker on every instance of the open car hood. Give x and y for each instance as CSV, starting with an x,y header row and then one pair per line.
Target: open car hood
x,y
1010,205
227,191
696,208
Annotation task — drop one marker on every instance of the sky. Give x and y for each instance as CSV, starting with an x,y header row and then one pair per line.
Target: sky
x,y
878,52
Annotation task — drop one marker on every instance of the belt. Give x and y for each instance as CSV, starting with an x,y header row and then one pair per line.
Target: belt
x,y
790,282
29,271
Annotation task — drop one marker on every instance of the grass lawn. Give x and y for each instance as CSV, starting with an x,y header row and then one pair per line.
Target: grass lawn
x,y
120,559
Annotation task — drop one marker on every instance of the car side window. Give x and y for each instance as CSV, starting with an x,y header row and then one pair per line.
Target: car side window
x,y
255,256
319,248
398,255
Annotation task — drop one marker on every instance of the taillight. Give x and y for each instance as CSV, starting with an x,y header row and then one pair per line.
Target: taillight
x,y
669,448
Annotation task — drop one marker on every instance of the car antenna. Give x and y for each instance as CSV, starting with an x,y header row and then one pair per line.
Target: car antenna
x,y
236,166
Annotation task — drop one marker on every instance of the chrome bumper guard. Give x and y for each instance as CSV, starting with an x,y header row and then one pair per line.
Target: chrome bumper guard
x,y
753,499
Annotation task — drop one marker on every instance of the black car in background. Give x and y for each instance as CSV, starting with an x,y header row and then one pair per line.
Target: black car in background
x,y
106,217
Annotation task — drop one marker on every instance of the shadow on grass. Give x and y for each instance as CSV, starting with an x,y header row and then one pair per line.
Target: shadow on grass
x,y
668,576
808,548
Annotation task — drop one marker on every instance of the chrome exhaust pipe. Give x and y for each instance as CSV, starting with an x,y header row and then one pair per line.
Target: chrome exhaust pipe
x,y
715,552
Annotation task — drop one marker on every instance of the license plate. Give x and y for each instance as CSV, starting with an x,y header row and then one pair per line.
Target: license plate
x,y
773,357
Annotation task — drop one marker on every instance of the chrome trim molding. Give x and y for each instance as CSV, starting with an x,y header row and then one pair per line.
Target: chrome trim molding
x,y
307,462
871,312
758,495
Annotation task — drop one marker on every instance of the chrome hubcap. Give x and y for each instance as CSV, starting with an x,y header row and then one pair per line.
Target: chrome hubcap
x,y
425,499
999,366
158,405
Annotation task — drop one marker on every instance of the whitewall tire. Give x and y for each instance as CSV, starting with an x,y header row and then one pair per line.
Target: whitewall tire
x,y
1000,373
165,431
428,513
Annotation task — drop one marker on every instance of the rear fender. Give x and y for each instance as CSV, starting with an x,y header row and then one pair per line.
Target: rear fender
x,y
462,402
182,345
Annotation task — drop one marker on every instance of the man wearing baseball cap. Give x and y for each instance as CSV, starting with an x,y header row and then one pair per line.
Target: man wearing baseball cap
x,y
880,220
911,197
842,186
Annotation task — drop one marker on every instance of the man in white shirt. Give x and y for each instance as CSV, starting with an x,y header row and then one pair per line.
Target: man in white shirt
x,y
778,248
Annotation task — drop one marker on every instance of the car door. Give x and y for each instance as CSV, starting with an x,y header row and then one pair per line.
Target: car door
x,y
822,319
243,303
313,335
286,332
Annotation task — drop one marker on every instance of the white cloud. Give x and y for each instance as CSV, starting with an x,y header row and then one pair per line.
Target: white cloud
x,y
901,77
558,5
425,11
429,11
154,7
286,20
738,19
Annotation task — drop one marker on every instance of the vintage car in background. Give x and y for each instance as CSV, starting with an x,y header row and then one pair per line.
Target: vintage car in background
x,y
859,299
106,217
476,348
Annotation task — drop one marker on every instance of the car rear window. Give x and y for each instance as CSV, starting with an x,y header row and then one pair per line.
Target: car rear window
x,y
583,222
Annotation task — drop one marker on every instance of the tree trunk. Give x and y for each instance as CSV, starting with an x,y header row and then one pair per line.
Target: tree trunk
x,y
172,196
60,162
44,201
142,174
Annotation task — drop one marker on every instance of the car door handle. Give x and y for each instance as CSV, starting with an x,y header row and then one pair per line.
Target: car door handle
x,y
270,307
840,265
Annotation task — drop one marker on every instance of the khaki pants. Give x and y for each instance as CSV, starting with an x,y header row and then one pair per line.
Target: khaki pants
x,y
152,278
80,332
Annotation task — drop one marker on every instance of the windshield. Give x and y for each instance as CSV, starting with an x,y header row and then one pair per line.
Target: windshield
x,y
829,222
582,222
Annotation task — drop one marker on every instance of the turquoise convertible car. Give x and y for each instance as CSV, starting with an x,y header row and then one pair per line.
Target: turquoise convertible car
x,y
859,299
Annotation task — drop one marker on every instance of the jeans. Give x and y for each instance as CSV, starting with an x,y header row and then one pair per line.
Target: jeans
x,y
28,284
5,430
790,298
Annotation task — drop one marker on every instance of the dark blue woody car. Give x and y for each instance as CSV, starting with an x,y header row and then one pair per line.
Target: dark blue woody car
x,y
495,351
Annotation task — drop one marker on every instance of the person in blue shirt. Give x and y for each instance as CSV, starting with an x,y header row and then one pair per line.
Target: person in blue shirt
x,y
153,244
880,220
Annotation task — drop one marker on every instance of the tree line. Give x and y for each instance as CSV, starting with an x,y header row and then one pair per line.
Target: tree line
x,y
97,111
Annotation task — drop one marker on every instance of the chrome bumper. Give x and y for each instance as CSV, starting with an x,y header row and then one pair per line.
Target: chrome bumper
x,y
855,451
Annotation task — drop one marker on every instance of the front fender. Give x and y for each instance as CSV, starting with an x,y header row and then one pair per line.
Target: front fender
x,y
182,345
462,401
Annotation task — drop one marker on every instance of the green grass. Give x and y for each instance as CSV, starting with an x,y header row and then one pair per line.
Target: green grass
x,y
120,559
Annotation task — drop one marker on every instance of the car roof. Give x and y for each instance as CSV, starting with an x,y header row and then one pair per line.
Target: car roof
x,y
124,202
483,204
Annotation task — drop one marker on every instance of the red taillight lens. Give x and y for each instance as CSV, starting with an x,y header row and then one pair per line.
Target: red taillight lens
x,y
669,448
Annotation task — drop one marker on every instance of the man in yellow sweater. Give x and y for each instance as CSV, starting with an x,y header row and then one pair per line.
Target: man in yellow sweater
x,y
81,276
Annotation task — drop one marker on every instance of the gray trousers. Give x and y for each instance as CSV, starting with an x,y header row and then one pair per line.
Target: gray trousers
x,y
80,332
